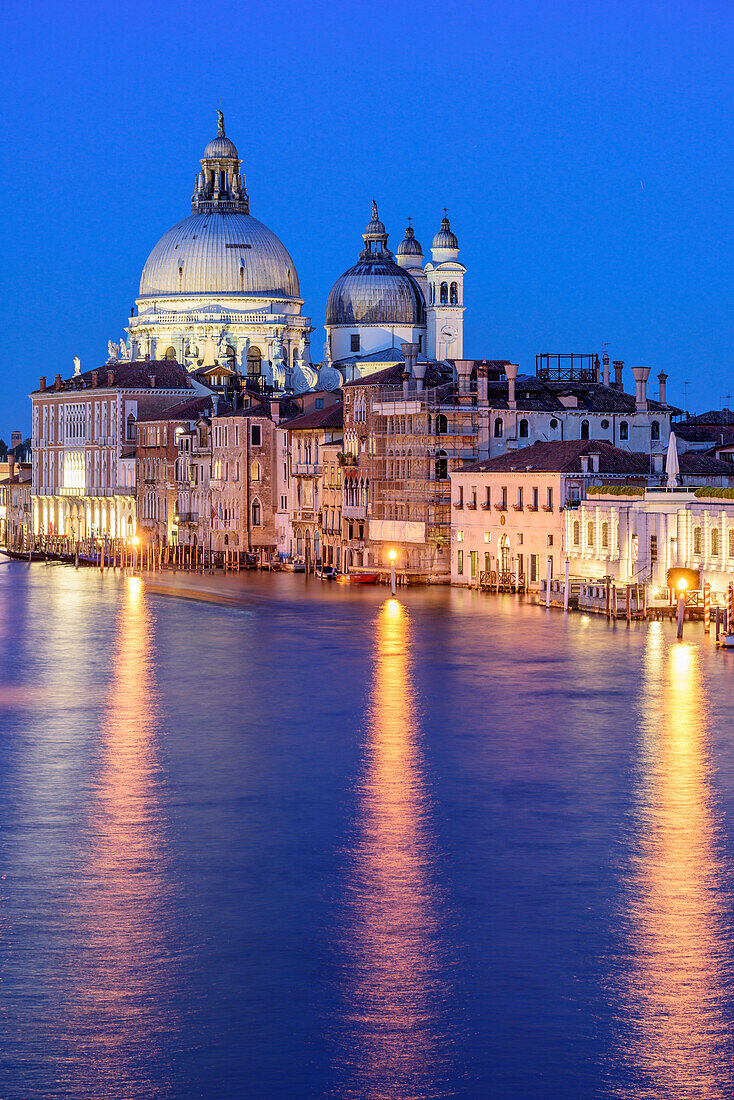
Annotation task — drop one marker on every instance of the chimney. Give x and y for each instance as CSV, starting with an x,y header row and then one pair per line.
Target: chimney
x,y
596,368
641,375
419,370
110,378
152,381
605,368
618,365
11,464
464,368
410,354
663,392
482,386
215,403
406,383
511,370
275,410
95,377
57,382
42,385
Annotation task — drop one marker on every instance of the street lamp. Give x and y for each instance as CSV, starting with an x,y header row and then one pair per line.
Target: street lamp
x,y
136,543
392,555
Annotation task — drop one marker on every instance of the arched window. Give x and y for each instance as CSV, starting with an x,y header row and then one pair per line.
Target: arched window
x,y
454,294
590,533
655,430
433,294
576,533
256,513
256,471
131,428
498,428
442,466
523,429
170,353
444,294
441,424
714,542
605,536
584,429
696,540
624,430
254,362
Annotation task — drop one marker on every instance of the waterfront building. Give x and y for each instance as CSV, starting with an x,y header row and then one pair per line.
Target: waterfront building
x,y
221,289
84,438
16,523
158,450
332,501
314,441
510,514
638,537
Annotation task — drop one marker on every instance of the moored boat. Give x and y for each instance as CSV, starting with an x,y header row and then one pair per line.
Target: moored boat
x,y
357,578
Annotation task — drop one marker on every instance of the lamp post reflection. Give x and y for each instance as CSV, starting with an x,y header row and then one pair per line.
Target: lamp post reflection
x,y
394,1048
679,926
114,1018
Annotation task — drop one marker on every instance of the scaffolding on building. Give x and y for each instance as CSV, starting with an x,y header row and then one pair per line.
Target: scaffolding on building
x,y
417,439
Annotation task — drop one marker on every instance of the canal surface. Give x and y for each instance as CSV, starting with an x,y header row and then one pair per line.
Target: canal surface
x,y
328,844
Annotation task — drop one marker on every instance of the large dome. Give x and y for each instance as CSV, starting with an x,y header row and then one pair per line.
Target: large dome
x,y
220,253
378,292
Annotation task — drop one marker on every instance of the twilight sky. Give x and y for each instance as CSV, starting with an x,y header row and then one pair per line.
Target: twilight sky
x,y
584,151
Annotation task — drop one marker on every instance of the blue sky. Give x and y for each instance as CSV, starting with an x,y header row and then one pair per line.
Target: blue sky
x,y
584,152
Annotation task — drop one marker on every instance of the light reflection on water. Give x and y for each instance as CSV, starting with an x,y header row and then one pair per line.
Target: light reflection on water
x,y
393,1042
115,974
680,929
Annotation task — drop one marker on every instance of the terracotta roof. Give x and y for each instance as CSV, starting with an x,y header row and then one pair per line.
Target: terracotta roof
x,y
330,417
564,456
393,376
169,375
183,410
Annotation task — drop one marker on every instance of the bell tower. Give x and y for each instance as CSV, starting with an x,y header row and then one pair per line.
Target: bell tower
x,y
445,296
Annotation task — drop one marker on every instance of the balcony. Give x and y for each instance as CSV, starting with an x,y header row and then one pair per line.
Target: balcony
x,y
500,507
354,511
346,459
459,504
486,506
532,507
306,469
472,506
547,507
187,517
517,507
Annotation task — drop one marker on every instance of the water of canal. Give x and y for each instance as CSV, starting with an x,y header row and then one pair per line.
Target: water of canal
x,y
321,843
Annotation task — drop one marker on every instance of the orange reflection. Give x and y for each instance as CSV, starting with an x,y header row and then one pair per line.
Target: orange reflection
x,y
678,919
114,1013
394,1048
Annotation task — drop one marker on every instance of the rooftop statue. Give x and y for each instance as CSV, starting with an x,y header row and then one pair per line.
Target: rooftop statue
x,y
220,124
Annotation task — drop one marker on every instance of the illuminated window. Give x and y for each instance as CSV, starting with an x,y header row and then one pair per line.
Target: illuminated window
x,y
731,543
590,534
576,533
714,542
460,562
256,471
696,540
605,535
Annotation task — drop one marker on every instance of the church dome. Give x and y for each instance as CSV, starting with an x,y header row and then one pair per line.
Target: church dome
x,y
445,238
409,246
214,252
378,292
219,147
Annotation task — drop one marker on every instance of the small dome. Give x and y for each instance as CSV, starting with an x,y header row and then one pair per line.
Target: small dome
x,y
220,146
375,228
445,238
375,292
409,246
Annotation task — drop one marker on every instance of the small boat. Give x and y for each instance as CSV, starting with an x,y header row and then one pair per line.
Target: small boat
x,y
25,555
726,641
357,578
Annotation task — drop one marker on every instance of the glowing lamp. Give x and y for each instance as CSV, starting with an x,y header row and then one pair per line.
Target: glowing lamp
x,y
684,580
682,584
136,540
392,555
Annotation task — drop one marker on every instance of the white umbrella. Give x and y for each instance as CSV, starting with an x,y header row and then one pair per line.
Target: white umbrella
x,y
672,465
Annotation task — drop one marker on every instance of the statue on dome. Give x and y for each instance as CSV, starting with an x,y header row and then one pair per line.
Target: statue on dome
x,y
375,215
123,350
220,124
113,351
